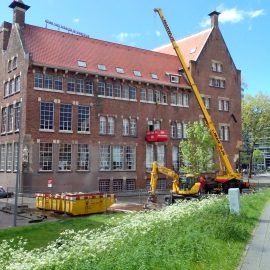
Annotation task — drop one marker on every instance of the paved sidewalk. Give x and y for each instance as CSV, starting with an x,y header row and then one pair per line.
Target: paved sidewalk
x,y
257,256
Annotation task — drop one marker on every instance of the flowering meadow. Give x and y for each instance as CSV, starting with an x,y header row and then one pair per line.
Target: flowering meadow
x,y
189,235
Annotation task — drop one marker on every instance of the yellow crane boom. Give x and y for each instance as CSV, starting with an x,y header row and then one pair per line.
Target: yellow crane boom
x,y
231,174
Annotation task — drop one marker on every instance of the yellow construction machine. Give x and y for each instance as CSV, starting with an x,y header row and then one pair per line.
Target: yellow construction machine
x,y
222,181
185,188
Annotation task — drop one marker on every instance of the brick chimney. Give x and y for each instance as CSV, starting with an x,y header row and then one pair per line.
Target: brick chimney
x,y
19,9
214,18
5,31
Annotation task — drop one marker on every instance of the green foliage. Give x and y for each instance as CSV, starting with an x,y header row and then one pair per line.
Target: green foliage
x,y
197,150
255,116
200,235
257,156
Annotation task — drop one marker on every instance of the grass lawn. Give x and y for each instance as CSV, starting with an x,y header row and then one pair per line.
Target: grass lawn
x,y
40,234
200,235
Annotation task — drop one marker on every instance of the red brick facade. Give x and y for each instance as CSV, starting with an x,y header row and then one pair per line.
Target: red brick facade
x,y
53,151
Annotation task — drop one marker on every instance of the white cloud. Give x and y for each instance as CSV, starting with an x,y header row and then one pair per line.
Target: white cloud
x,y
158,34
76,20
255,13
123,36
232,15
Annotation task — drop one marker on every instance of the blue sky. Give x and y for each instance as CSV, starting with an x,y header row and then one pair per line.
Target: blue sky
x,y
244,25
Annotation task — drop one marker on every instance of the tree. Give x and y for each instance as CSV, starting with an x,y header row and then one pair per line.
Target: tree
x,y
197,151
255,120
257,157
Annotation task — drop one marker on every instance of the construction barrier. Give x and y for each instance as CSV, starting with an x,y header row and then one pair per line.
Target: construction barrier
x,y
75,204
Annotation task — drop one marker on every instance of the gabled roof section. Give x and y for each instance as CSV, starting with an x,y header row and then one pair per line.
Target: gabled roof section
x,y
190,46
58,49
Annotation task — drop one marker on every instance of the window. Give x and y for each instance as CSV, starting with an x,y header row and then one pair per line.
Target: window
x,y
45,156
217,82
154,76
120,70
17,109
9,65
126,92
175,158
223,105
161,154
48,81
101,88
130,157
109,90
149,156
117,91
125,127
137,73
83,157
17,84
180,99
46,115
132,93
185,100
83,118
4,120
6,89
9,157
102,125
102,67
117,185
71,85
174,79
15,62
150,95
65,157
89,87
130,185
129,127
117,157
224,133
157,125
12,87
111,125
206,101
133,127
58,83
157,96
81,63
179,130
164,98
15,160
217,67
2,157
173,130
79,85
38,80
104,185
143,95
173,99
65,117
105,157
10,118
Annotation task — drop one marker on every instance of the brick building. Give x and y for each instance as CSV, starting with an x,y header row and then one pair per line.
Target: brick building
x,y
79,108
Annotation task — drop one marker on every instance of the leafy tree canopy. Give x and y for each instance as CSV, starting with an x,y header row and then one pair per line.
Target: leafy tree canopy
x,y
197,150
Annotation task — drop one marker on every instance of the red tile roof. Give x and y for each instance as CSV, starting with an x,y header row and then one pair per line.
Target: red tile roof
x,y
190,46
58,49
